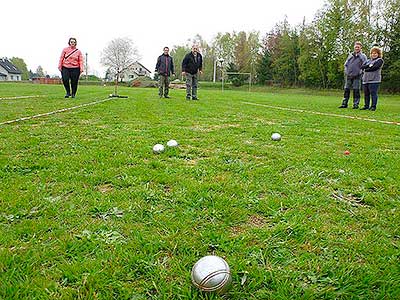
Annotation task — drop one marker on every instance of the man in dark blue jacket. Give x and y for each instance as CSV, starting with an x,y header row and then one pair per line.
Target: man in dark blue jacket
x,y
191,65
164,68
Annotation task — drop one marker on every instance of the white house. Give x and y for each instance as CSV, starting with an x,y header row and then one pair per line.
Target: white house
x,y
135,71
9,72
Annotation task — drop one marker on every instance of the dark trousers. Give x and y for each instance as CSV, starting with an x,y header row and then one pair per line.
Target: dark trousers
x,y
356,97
371,92
70,75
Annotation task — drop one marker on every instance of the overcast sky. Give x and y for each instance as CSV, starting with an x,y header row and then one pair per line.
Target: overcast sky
x,y
36,31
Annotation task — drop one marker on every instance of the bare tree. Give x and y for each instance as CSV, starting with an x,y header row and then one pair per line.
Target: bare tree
x,y
119,55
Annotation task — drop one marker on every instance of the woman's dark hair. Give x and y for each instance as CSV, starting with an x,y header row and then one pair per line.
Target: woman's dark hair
x,y
72,38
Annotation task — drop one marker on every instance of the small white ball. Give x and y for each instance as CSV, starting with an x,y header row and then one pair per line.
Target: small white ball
x,y
211,274
158,148
172,143
276,136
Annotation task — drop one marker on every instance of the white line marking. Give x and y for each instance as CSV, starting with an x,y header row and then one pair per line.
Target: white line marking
x,y
323,114
54,112
21,97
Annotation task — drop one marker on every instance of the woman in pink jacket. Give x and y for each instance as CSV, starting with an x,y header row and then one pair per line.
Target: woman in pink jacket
x,y
71,67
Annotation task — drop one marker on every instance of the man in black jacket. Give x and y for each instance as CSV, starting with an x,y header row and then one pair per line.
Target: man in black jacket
x,y
191,65
164,68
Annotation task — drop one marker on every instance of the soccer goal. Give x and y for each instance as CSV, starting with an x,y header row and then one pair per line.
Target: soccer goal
x,y
239,76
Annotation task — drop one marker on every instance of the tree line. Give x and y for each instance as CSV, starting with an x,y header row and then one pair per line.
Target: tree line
x,y
310,54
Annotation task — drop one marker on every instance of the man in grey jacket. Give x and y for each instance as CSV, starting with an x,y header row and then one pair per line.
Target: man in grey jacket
x,y
353,72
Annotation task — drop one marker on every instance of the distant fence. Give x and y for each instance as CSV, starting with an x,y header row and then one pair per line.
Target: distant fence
x,y
44,80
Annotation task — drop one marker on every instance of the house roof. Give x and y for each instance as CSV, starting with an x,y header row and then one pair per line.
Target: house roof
x,y
143,67
9,67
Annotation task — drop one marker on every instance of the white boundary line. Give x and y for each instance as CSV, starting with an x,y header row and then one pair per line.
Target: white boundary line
x,y
21,97
54,112
323,114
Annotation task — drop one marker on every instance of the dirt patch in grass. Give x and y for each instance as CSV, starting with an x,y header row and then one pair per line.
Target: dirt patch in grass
x,y
105,188
254,221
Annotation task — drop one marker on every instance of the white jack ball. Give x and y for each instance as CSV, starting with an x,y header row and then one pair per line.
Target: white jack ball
x,y
158,148
172,143
211,274
276,136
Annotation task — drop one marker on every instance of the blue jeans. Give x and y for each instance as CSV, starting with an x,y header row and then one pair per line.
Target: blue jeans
x,y
371,92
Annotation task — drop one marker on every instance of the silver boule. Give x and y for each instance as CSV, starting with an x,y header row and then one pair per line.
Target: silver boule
x,y
172,143
158,148
276,136
211,274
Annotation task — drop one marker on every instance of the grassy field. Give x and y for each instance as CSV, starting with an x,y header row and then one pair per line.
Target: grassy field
x,y
88,211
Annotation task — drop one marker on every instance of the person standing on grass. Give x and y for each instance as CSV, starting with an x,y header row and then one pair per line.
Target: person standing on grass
x,y
164,68
353,72
71,67
192,64
372,78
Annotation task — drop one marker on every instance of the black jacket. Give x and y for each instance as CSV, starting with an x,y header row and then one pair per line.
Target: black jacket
x,y
165,65
189,65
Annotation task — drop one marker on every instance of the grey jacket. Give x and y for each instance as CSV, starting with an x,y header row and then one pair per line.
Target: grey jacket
x,y
352,66
372,70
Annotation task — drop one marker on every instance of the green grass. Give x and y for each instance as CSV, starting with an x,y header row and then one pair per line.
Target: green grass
x,y
89,212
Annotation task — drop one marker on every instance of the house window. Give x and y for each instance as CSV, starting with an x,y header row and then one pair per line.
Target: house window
x,y
12,77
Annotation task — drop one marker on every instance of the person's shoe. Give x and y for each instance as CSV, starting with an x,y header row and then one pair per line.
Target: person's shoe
x,y
365,108
187,97
343,106
67,96
195,98
168,97
73,96
372,108
355,107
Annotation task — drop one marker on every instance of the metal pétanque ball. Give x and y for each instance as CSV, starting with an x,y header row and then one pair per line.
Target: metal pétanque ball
x,y
276,136
172,143
158,148
211,274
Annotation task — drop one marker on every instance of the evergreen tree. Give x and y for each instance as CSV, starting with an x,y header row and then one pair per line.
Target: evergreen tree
x,y
264,72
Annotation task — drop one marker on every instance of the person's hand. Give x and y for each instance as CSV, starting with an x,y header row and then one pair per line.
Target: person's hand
x,y
183,73
201,72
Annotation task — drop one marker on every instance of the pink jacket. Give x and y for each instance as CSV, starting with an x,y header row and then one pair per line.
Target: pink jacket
x,y
75,60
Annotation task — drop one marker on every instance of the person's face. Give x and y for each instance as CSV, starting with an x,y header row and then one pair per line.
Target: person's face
x,y
72,42
195,50
166,51
357,48
374,55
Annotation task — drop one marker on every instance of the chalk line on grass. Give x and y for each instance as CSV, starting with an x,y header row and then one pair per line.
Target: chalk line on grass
x,y
21,97
54,112
323,114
